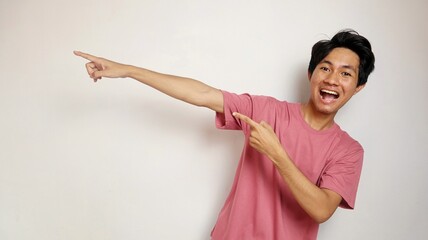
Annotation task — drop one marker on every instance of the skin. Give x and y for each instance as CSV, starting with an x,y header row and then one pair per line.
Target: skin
x,y
337,72
184,89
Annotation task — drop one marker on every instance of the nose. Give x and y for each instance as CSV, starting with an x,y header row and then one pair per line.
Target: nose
x,y
332,79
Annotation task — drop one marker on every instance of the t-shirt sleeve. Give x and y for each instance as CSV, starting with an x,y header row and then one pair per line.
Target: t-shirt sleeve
x,y
234,103
343,175
257,107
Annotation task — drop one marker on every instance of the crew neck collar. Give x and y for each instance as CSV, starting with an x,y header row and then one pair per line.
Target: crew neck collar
x,y
306,125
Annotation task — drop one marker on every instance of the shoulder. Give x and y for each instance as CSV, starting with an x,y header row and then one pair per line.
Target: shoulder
x,y
348,146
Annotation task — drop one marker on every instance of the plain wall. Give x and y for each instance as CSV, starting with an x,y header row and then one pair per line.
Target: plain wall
x,y
118,160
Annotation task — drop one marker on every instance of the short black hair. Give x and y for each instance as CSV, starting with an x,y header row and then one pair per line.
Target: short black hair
x,y
351,40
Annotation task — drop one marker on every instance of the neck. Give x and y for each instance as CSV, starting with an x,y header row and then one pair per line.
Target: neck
x,y
317,120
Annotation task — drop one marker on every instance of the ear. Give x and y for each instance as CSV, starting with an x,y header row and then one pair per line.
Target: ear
x,y
359,88
309,76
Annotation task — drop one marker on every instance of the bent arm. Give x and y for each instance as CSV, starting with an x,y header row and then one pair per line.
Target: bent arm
x,y
318,203
181,88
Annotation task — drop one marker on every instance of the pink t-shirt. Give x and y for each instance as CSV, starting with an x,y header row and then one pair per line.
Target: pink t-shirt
x,y
260,206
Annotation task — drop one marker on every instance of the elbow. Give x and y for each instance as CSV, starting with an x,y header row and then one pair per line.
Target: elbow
x,y
323,211
210,98
321,219
322,216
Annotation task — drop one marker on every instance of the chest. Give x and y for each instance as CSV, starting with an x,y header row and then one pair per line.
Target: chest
x,y
310,152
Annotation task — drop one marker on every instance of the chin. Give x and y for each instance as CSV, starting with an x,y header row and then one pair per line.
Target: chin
x,y
326,110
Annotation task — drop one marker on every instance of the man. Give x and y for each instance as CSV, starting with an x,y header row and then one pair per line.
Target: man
x,y
297,166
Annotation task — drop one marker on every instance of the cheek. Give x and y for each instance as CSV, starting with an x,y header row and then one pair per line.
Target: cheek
x,y
314,83
350,91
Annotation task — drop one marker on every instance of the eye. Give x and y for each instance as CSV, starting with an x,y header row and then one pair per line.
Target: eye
x,y
324,68
346,74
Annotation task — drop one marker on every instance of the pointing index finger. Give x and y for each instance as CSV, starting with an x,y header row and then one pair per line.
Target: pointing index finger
x,y
246,119
85,56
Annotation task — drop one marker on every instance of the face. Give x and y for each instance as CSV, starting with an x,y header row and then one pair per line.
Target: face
x,y
334,81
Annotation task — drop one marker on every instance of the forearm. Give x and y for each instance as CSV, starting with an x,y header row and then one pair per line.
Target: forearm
x,y
185,89
318,203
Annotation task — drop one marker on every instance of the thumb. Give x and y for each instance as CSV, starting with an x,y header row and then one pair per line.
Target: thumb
x,y
101,69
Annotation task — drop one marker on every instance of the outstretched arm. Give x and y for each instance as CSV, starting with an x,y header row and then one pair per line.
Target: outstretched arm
x,y
318,203
185,89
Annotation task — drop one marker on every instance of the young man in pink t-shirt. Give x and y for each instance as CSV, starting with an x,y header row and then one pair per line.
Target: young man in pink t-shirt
x,y
297,166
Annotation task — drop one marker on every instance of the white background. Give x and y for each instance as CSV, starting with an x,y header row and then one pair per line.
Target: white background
x,y
118,160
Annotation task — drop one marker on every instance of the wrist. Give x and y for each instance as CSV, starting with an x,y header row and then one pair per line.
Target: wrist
x,y
280,159
129,71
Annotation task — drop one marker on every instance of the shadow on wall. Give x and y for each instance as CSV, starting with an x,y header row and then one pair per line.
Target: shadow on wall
x,y
298,84
138,112
171,119
302,87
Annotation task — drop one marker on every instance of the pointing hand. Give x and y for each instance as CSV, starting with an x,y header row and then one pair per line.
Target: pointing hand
x,y
262,137
99,67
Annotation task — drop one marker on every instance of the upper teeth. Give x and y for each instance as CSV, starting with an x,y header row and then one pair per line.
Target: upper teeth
x,y
330,92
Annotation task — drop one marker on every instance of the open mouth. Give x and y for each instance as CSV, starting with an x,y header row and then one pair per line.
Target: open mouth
x,y
329,95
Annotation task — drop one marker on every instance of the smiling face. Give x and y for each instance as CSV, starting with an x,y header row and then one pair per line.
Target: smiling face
x,y
334,81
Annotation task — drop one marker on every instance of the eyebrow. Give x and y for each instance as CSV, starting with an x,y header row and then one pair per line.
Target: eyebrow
x,y
343,66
